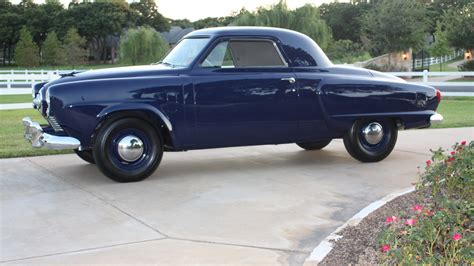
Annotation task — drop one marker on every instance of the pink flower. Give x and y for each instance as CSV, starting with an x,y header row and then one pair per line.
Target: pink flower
x,y
456,237
410,222
428,163
451,159
385,248
463,142
417,207
391,219
453,153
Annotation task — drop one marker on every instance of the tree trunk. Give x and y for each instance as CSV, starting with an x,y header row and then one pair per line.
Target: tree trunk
x,y
4,54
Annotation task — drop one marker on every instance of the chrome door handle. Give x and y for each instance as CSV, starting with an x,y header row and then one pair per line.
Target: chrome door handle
x,y
290,80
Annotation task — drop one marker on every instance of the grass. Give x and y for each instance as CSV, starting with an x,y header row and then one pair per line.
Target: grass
x,y
17,98
464,79
445,65
457,112
12,143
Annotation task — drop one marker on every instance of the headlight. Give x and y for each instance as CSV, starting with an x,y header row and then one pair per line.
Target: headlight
x,y
48,101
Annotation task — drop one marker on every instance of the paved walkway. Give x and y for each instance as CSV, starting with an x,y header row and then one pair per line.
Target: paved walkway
x,y
251,205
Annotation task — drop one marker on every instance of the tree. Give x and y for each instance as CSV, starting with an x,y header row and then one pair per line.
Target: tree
x,y
74,45
460,27
148,15
438,8
11,22
344,19
100,22
440,47
42,19
305,19
53,51
395,26
26,51
142,45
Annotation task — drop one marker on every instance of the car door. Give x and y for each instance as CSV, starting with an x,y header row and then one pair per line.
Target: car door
x,y
244,94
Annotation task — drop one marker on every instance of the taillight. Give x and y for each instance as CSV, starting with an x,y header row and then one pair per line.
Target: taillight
x,y
438,95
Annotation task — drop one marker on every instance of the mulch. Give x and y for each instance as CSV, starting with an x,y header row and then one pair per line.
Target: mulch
x,y
358,244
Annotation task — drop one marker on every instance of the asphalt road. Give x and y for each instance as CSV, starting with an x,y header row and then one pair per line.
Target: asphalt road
x,y
250,205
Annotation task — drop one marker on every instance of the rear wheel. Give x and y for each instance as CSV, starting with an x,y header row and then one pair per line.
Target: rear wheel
x,y
311,146
371,140
128,150
86,155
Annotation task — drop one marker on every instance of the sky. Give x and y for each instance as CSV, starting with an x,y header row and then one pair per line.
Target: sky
x,y
198,9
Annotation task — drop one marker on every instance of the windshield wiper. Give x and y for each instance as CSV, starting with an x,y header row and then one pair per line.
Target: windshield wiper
x,y
166,64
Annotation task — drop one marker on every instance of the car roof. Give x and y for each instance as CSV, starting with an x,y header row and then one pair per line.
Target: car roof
x,y
301,50
244,30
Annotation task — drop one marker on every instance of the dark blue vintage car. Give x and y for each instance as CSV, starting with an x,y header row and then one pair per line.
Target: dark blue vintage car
x,y
224,87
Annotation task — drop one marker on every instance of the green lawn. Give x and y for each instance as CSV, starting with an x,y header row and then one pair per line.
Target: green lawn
x,y
17,98
12,143
445,67
464,79
457,112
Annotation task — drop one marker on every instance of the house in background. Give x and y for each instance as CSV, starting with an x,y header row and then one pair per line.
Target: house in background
x,y
175,34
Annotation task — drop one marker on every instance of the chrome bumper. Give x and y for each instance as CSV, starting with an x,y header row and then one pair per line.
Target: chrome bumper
x,y
436,119
34,134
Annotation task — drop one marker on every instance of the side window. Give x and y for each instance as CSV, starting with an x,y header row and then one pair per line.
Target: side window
x,y
244,53
220,56
255,53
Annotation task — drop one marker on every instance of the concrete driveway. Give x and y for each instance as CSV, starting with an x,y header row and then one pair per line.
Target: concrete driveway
x,y
250,205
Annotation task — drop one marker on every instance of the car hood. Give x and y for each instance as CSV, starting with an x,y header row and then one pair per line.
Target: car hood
x,y
118,72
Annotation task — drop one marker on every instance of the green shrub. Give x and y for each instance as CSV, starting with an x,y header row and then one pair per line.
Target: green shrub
x,y
345,51
467,66
438,230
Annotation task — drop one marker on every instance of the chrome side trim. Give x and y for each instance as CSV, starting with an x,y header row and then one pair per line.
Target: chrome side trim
x,y
38,139
436,118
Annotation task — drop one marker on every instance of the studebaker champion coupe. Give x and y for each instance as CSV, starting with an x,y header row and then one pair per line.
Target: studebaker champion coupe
x,y
224,87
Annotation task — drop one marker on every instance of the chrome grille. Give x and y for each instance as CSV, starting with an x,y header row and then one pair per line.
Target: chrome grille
x,y
52,121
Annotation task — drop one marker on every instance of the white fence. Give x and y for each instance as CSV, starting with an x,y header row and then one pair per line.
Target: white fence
x,y
21,81
26,78
436,60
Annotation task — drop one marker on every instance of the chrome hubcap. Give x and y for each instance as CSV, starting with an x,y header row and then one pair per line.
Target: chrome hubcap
x,y
373,133
130,148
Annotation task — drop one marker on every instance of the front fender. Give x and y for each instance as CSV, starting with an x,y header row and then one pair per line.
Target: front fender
x,y
135,107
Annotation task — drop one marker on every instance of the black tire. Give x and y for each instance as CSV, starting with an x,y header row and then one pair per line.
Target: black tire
x,y
311,146
359,147
109,158
86,155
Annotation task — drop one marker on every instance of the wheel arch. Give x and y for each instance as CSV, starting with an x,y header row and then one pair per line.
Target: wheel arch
x,y
147,113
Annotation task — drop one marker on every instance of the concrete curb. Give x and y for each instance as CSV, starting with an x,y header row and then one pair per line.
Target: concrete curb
x,y
325,246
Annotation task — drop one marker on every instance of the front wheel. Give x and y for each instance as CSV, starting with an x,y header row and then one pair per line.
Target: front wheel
x,y
128,150
371,140
85,155
311,146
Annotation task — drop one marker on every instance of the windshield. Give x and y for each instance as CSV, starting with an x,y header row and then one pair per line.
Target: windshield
x,y
185,52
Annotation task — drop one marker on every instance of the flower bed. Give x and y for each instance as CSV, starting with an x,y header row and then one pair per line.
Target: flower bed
x,y
433,225
438,230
